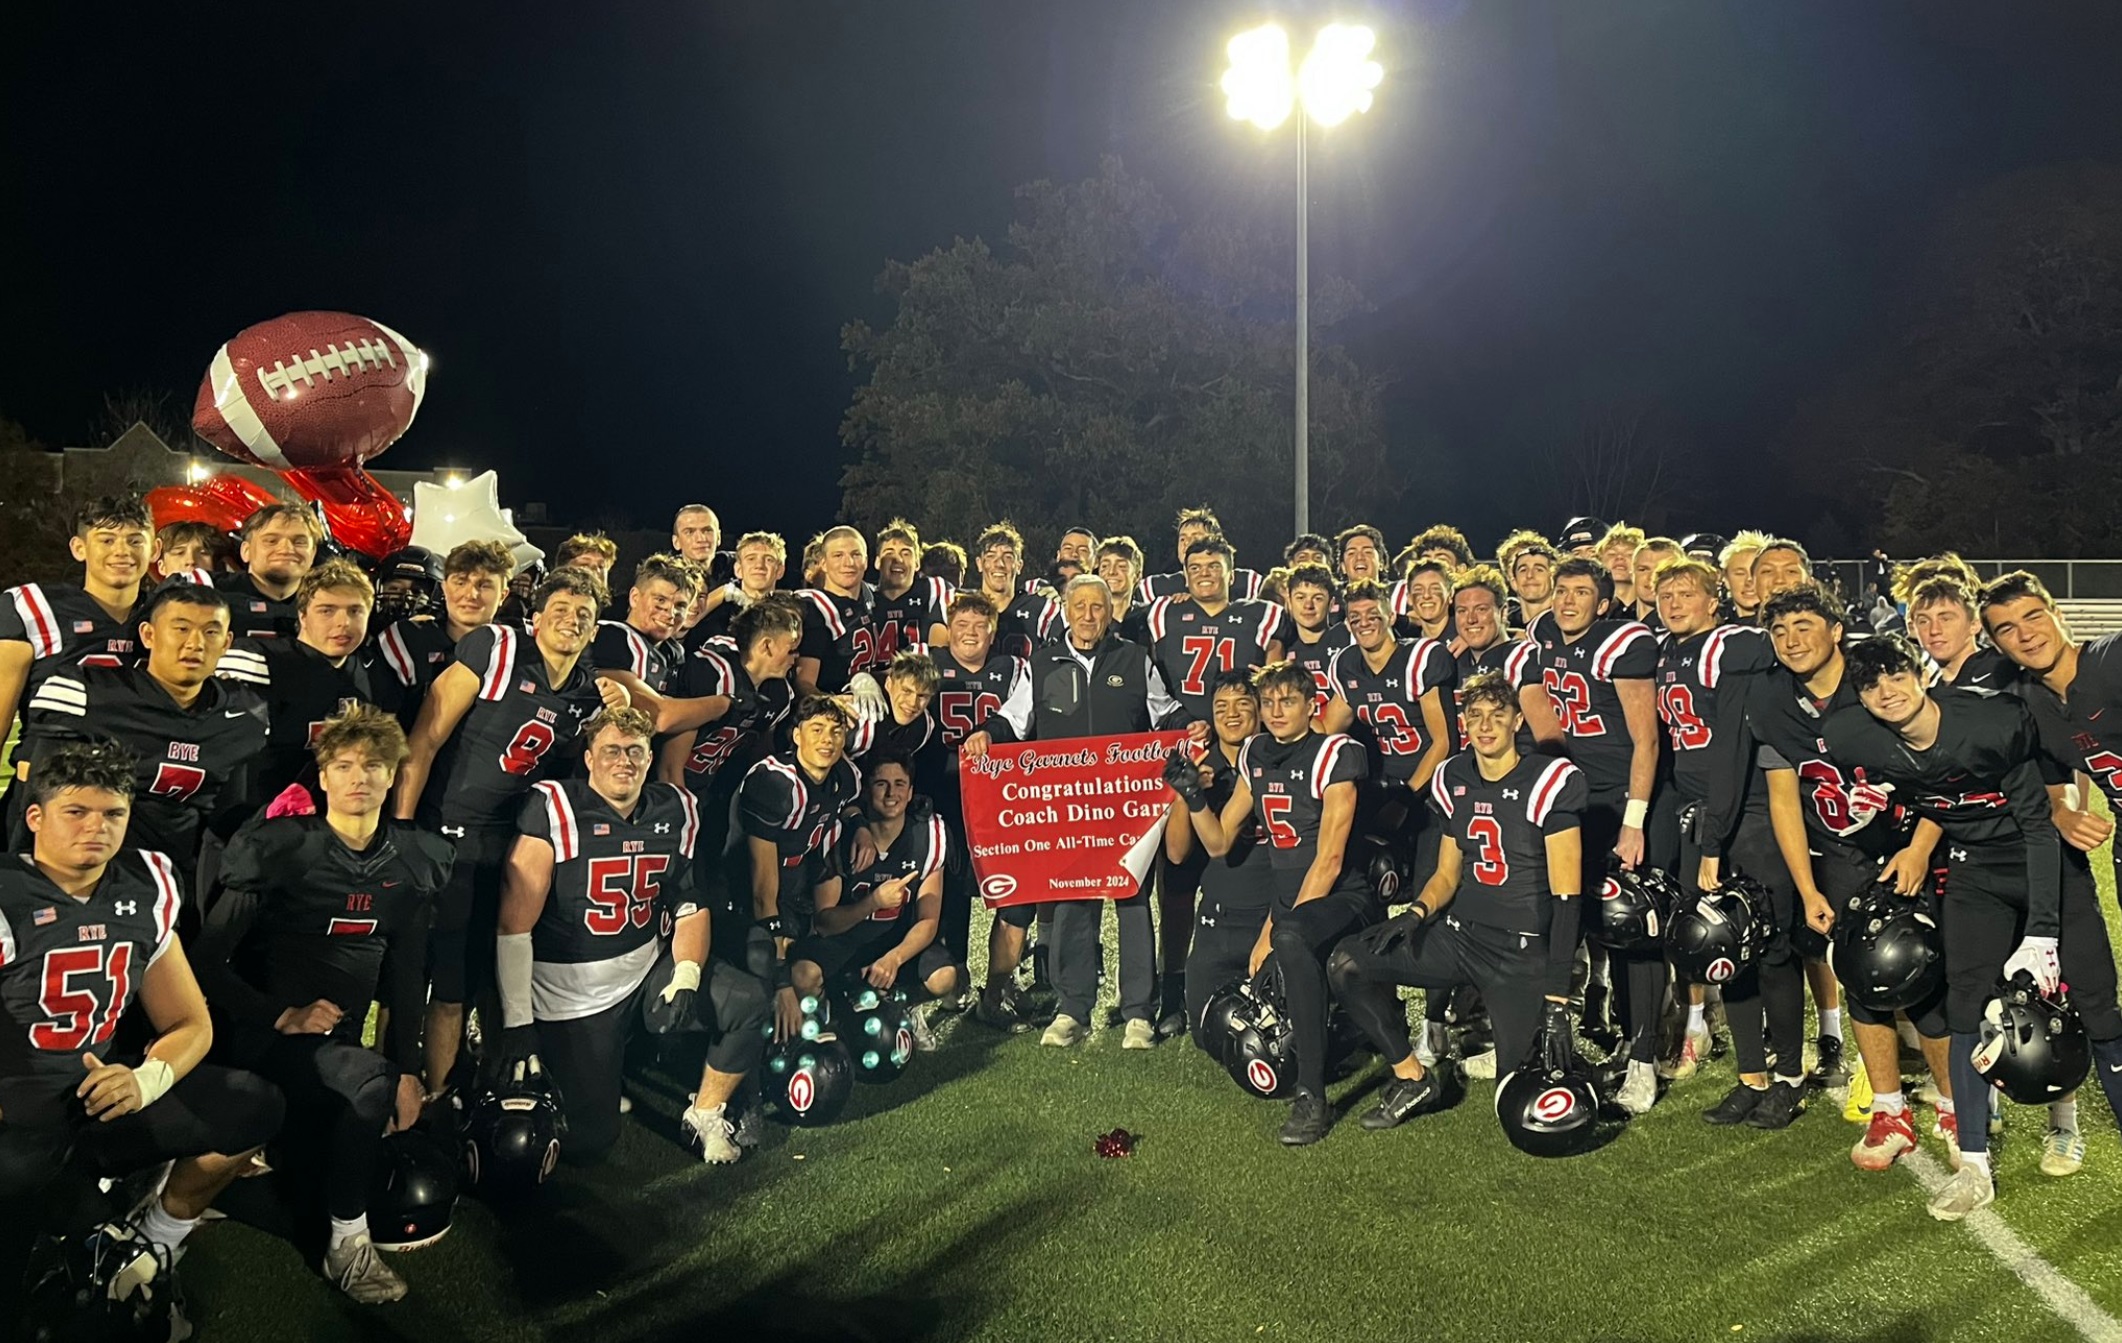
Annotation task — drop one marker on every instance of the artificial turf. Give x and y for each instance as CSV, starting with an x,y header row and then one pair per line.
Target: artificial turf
x,y
965,1201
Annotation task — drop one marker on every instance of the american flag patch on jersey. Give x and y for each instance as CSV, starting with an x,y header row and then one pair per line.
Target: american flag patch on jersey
x,y
258,607
84,626
528,687
44,916
600,828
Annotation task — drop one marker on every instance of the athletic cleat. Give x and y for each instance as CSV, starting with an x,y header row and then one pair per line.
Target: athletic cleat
x,y
1887,1139
1402,1098
1310,1117
1970,1190
1830,1070
1640,1091
1784,1102
1947,1130
927,1040
751,1127
1062,1032
1171,1025
357,1270
1138,1034
1482,1066
1737,1104
1432,1042
1002,1007
1694,1052
714,1133
2062,1152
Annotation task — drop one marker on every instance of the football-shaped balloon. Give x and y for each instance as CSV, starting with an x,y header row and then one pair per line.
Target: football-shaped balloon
x,y
310,389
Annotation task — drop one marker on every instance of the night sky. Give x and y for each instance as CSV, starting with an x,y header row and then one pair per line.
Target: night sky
x,y
628,234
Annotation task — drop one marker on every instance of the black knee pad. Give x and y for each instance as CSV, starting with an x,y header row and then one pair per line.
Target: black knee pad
x,y
1344,971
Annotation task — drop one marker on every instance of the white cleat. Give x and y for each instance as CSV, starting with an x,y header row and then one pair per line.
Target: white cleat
x,y
1640,1091
714,1133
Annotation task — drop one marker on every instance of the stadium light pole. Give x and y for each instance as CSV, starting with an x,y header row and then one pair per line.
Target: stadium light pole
x,y
1333,84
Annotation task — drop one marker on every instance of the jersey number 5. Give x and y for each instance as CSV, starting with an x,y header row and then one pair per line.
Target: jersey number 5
x,y
1274,811
622,891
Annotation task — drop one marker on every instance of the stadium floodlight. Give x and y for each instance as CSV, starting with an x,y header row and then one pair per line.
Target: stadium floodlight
x,y
1335,81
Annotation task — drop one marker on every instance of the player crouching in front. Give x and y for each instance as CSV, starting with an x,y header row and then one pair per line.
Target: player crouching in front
x,y
876,922
595,866
1511,822
1300,786
101,925
296,948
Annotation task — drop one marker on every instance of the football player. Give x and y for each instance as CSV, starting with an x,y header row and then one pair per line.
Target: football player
x,y
192,736
277,545
906,729
1445,544
1072,556
486,733
1194,524
790,806
1237,888
1315,636
1361,553
81,912
1736,561
593,552
1580,537
313,677
1119,563
762,557
1654,552
908,605
599,868
314,910
408,583
2068,684
876,922
1970,766
1598,673
1309,548
1485,643
1834,832
1704,674
1617,551
944,560
1423,601
185,546
643,652
1023,620
1530,562
1511,932
1300,787
696,538
839,617
1779,566
475,578
1392,697
1941,619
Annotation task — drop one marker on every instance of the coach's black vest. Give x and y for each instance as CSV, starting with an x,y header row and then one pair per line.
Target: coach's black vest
x,y
1111,697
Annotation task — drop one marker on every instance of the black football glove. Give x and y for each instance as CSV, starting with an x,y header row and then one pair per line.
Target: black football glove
x,y
1558,1040
517,1048
1184,776
1380,939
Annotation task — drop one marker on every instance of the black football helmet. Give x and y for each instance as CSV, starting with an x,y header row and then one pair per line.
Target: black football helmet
x,y
2032,1046
408,583
1721,933
810,1080
70,1283
1261,1057
1386,869
413,1193
879,1029
1704,546
1887,952
1635,908
1227,1012
512,1133
1548,1105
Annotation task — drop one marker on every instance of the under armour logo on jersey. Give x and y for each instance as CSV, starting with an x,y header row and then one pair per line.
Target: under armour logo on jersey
x,y
1959,855
662,827
453,831
1510,795
127,908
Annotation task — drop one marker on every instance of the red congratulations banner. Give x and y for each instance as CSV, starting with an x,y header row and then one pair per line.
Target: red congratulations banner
x,y
1075,819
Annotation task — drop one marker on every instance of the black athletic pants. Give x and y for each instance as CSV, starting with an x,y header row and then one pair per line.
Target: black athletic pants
x,y
1301,938
1638,978
339,1095
460,946
1765,1002
1508,968
1841,871
1224,938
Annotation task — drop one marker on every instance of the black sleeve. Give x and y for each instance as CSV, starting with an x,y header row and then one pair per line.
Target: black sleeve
x,y
1562,928
1731,756
2028,796
403,989
227,924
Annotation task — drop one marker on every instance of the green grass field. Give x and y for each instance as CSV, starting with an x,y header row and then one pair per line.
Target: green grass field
x,y
965,1202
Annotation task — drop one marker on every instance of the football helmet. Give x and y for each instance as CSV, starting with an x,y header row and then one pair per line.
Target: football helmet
x,y
879,1031
418,569
2032,1046
1721,933
1226,1012
1386,869
1261,1056
1635,908
1548,1105
413,1193
810,1079
108,1283
1887,951
512,1133
1706,546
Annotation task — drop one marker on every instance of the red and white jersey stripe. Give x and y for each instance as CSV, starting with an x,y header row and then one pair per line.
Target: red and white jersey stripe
x,y
564,831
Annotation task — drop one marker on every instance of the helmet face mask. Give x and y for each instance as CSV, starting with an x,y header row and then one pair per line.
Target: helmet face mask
x,y
1635,908
1720,935
2032,1046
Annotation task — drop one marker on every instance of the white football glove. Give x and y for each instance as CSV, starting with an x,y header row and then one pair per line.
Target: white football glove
x,y
733,596
870,702
2037,957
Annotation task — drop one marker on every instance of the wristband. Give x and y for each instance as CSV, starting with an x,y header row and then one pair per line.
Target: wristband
x,y
773,925
153,1077
1632,815
683,975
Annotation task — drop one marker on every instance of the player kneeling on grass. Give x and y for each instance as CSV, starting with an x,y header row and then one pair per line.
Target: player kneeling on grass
x,y
596,864
100,925
295,950
1512,825
1300,787
878,923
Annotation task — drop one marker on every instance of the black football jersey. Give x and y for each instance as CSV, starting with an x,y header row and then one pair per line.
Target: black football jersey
x,y
1985,669
1388,703
1315,656
800,815
64,627
1579,675
1289,782
2077,734
191,763
302,916
903,622
724,749
515,733
70,968
1789,728
888,736
1981,781
1501,828
404,661
613,877
1519,662
1702,701
1242,880
253,614
302,691
966,697
1244,586
1032,620
1191,648
841,633
918,852
620,647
